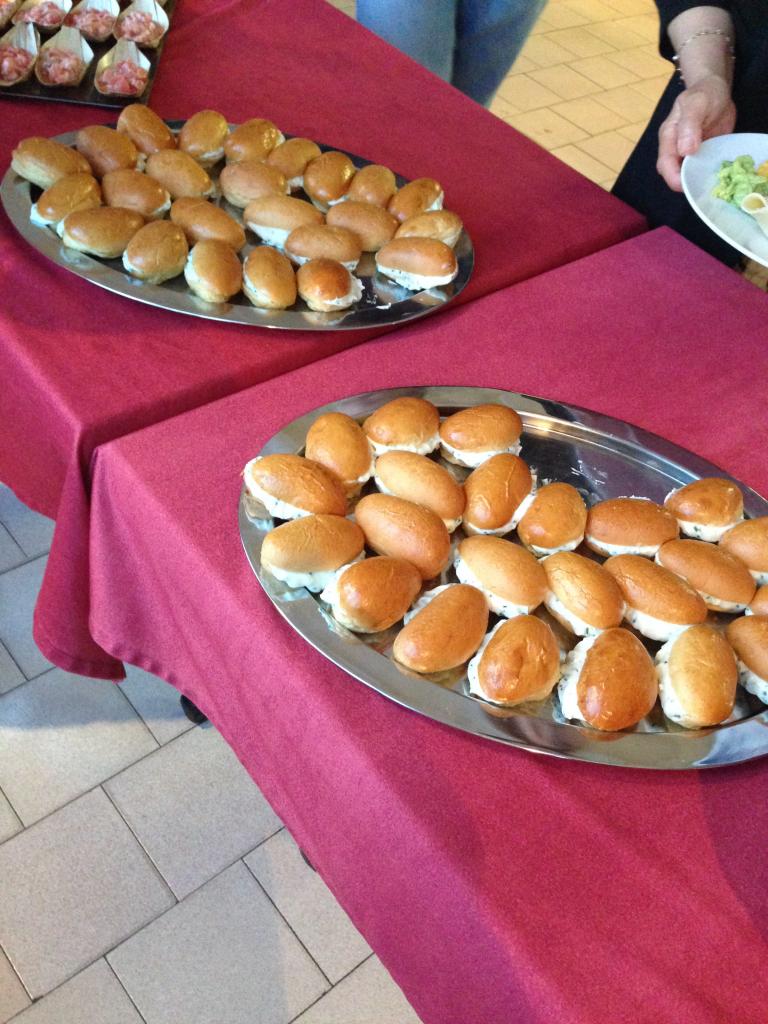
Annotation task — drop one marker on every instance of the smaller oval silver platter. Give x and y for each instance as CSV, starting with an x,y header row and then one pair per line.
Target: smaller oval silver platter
x,y
384,303
603,458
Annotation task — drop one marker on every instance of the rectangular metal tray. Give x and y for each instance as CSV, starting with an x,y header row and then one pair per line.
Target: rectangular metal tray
x,y
86,93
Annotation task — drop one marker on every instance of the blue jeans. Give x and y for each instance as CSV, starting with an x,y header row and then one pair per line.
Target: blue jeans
x,y
470,43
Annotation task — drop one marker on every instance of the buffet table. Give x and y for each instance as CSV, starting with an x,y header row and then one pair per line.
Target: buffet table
x,y
81,366
495,885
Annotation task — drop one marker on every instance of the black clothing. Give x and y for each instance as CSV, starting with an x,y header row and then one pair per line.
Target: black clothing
x,y
639,183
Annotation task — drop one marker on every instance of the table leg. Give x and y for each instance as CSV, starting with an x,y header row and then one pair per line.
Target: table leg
x,y
193,713
306,860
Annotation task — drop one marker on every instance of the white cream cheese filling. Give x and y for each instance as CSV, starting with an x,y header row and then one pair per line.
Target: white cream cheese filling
x,y
36,218
474,459
646,550
415,282
420,449
473,668
270,236
496,603
276,508
426,598
511,523
567,688
259,296
760,576
450,524
301,260
330,592
354,294
365,476
650,626
670,702
211,157
752,682
312,581
130,267
294,184
571,545
194,280
437,204
565,615
718,605
700,531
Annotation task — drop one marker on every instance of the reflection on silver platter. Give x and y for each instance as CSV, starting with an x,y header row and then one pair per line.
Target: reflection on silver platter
x,y
603,458
384,303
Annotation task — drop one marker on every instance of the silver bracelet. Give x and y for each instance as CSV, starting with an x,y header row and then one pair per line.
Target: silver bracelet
x,y
706,32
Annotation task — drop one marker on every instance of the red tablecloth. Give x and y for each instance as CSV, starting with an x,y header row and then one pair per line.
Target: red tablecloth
x,y
80,366
497,886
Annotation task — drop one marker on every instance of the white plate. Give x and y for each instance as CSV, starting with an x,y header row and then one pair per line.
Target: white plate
x,y
699,174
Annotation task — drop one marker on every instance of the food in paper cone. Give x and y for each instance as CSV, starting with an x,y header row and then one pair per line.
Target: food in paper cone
x,y
140,27
122,79
124,71
57,66
16,63
46,15
94,18
7,10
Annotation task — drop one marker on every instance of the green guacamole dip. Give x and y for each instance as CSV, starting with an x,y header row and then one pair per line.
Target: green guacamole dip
x,y
737,178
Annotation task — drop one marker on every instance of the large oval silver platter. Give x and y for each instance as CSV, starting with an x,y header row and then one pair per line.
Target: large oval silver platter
x,y
603,458
384,303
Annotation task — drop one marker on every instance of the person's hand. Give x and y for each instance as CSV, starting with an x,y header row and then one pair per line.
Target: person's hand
x,y
704,110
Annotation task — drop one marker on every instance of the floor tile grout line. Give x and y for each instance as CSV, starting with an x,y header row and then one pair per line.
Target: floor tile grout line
x,y
190,725
11,964
16,544
102,782
27,678
288,925
143,849
28,557
180,902
122,986
343,978
109,778
226,867
177,902
14,812
18,666
138,715
219,871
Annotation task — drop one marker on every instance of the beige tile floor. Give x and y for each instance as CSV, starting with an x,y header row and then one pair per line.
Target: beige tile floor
x,y
143,878
585,83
